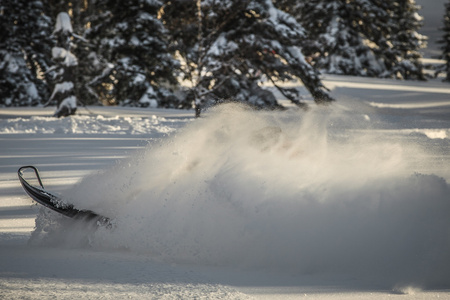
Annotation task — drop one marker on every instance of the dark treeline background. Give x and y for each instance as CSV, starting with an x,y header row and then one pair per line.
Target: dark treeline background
x,y
192,53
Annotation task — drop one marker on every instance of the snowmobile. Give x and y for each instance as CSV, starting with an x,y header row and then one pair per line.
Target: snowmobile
x,y
54,202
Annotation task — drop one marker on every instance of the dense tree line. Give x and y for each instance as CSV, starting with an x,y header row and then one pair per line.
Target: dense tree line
x,y
196,53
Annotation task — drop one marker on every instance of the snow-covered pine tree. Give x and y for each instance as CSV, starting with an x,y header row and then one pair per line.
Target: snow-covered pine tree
x,y
362,37
340,35
334,44
88,67
229,47
64,88
139,70
445,41
405,41
25,47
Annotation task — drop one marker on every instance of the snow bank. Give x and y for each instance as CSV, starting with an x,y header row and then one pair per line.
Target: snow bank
x,y
90,124
278,191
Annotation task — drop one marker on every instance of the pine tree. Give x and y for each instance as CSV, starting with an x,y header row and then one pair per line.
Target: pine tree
x,y
445,41
88,67
64,90
334,43
362,37
229,47
25,47
406,41
138,69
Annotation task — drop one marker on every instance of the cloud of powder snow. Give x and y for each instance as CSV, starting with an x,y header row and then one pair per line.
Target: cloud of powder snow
x,y
288,191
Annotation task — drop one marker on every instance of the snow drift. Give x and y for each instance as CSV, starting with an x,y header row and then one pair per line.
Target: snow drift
x,y
300,192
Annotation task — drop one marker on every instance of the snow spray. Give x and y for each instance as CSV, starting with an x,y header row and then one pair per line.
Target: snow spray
x,y
306,192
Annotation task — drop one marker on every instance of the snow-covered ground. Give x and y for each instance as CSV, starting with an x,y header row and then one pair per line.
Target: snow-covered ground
x,y
350,201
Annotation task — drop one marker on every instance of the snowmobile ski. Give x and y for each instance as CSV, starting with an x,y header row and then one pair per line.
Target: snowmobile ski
x,y
54,202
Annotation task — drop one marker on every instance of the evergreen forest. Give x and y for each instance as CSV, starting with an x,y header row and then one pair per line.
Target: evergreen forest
x,y
196,53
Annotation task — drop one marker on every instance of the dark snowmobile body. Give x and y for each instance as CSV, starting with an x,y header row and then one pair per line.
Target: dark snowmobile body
x,y
54,202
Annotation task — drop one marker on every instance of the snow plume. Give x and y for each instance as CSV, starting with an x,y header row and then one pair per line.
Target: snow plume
x,y
287,191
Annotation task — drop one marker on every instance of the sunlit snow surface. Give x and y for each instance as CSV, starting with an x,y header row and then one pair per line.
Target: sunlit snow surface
x,y
346,201
87,124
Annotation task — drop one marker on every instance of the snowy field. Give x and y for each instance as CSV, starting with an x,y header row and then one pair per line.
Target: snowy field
x,y
350,201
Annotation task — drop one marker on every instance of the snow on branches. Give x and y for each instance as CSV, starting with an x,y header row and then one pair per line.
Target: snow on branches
x,y
64,89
